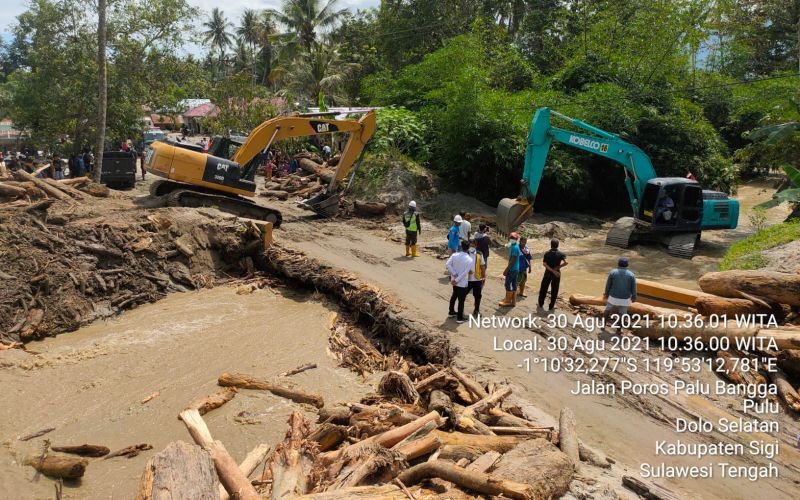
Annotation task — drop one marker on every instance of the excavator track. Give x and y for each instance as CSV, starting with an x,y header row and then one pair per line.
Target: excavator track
x,y
236,206
682,245
620,235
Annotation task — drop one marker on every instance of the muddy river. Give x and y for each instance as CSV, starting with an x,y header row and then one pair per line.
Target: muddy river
x,y
89,384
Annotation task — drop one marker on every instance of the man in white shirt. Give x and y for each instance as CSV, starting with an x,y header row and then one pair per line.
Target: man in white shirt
x,y
459,265
465,228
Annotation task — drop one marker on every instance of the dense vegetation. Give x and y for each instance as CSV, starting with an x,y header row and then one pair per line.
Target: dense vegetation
x,y
747,253
686,80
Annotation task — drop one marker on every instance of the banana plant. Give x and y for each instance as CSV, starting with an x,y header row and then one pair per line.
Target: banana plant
x,y
791,195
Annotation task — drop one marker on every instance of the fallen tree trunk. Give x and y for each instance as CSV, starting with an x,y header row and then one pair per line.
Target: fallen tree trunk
x,y
784,338
440,402
313,168
568,435
11,191
382,492
500,444
47,188
181,470
249,464
235,483
783,288
470,480
397,385
785,390
328,436
649,491
293,461
247,382
789,361
711,304
637,308
58,467
471,385
212,401
83,450
71,191
275,193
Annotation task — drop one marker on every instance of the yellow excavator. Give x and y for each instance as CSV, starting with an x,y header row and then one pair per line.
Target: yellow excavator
x,y
224,177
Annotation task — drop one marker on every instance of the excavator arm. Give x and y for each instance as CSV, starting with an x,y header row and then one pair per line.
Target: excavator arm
x,y
637,165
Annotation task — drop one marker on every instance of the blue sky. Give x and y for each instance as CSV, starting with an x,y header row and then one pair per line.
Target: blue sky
x,y
10,9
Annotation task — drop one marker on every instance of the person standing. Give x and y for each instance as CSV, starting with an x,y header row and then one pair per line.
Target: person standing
x,y
465,229
477,277
413,228
88,160
483,241
553,261
524,266
454,236
58,168
620,290
459,265
511,271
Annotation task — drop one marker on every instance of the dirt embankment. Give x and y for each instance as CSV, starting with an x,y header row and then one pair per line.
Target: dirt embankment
x,y
66,265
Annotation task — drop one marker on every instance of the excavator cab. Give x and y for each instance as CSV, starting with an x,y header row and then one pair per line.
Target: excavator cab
x,y
672,204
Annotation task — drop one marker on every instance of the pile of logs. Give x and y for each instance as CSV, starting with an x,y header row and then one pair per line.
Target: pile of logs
x,y
428,430
765,298
21,189
318,175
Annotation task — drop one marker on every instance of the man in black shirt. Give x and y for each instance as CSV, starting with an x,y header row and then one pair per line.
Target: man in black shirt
x,y
552,261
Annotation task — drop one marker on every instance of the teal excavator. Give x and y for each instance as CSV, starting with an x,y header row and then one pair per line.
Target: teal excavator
x,y
669,210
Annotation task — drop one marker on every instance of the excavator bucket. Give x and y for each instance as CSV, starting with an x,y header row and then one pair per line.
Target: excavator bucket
x,y
324,204
511,212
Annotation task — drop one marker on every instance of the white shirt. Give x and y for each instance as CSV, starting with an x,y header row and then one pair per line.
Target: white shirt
x,y
459,265
464,229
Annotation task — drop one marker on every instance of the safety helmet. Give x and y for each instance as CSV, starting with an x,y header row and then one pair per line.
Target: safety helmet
x,y
412,204
458,218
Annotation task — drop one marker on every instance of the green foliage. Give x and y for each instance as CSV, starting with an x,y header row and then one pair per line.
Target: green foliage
x,y
399,131
242,106
746,254
791,195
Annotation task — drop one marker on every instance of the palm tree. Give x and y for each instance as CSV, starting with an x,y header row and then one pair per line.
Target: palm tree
x,y
266,32
303,18
242,56
320,71
216,33
248,33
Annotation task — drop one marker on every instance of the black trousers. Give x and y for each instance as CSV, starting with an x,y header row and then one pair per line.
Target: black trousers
x,y
460,294
411,237
476,287
549,280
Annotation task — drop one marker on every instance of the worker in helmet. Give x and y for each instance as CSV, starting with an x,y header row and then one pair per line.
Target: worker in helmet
x,y
454,235
413,228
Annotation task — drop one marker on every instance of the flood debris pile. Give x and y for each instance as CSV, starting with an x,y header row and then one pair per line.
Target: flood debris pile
x,y
428,431
22,189
415,340
740,315
66,265
317,176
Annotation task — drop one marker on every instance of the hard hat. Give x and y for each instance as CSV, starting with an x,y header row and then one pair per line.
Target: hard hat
x,y
458,218
412,204
514,236
622,262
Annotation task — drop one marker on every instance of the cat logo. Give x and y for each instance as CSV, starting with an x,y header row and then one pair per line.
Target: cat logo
x,y
322,127
604,148
222,166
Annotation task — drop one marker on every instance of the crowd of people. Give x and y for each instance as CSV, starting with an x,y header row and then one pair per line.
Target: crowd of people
x,y
469,256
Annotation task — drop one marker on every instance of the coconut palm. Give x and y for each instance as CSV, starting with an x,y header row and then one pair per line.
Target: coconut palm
x,y
266,31
304,18
319,71
247,31
217,34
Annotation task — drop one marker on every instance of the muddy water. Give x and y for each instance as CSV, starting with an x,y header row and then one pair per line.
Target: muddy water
x,y
89,384
590,259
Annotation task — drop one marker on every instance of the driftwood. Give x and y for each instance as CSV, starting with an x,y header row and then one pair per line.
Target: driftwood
x,y
649,491
568,435
711,304
593,457
83,450
734,372
637,308
470,480
236,484
275,193
299,369
785,338
328,435
397,385
785,390
243,381
291,464
129,451
789,361
47,188
431,381
440,402
181,470
382,492
11,191
311,167
472,386
339,415
212,401
36,434
484,462
480,443
250,463
58,466
71,191
783,288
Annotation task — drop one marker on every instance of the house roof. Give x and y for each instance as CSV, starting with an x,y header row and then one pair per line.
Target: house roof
x,y
204,110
